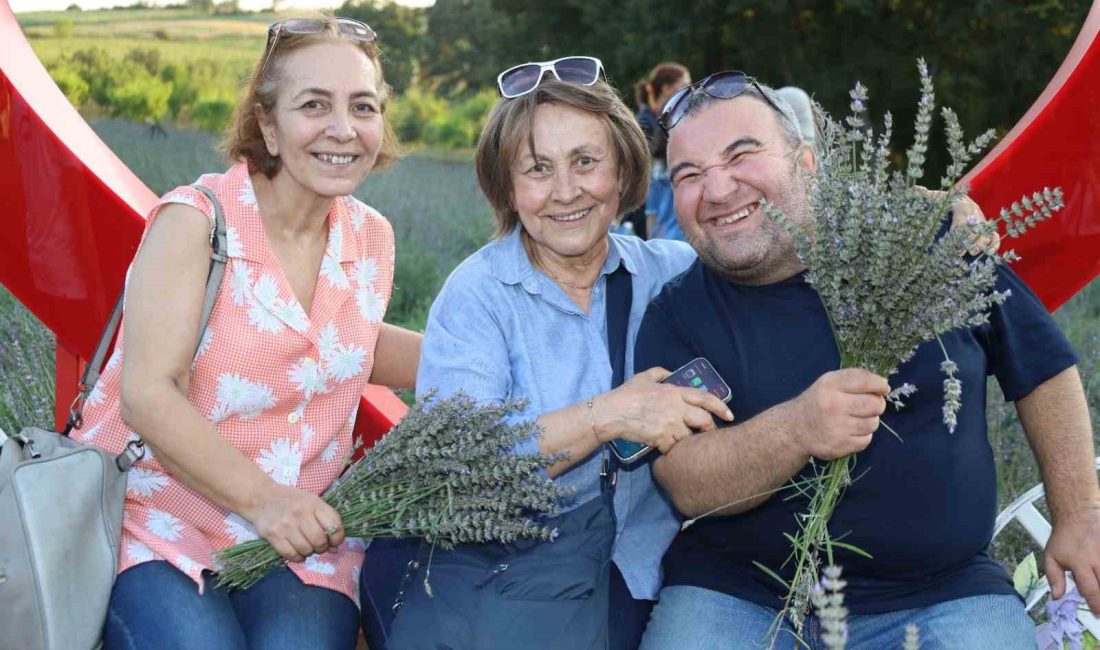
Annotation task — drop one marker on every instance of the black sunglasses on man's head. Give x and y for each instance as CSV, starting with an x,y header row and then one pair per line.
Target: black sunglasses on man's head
x,y
720,85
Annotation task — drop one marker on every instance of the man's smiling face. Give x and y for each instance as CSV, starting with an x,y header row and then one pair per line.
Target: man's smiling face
x,y
723,160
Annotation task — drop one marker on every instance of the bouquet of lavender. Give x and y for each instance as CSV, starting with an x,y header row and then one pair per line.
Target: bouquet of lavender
x,y
443,473
887,281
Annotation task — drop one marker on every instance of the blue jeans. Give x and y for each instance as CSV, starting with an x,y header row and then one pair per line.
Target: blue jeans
x,y
686,618
154,605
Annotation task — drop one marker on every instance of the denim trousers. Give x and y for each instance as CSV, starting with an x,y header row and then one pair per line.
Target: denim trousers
x,y
688,618
155,605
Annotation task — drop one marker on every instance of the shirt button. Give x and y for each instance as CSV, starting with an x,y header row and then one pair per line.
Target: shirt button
x,y
294,417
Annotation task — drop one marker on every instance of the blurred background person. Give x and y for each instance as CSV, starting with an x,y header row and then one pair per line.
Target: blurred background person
x,y
657,219
803,112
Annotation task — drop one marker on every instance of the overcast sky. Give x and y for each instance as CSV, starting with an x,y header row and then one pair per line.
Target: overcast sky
x,y
248,5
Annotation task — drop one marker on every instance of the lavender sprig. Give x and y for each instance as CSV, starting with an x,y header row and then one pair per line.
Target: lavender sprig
x,y
827,597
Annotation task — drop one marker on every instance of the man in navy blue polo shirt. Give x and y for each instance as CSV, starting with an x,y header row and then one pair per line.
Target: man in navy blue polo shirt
x,y
923,508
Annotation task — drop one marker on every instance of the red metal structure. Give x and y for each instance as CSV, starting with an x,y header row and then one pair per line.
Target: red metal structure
x,y
1057,143
71,217
72,212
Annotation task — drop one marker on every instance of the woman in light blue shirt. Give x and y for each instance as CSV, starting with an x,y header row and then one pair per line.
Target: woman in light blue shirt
x,y
525,317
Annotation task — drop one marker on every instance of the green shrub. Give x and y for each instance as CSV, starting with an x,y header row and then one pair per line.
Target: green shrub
x,y
212,113
476,107
71,83
63,28
104,74
147,57
450,130
182,100
140,98
411,112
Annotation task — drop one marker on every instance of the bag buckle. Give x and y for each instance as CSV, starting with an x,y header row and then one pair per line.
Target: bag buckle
x,y
76,411
28,444
134,451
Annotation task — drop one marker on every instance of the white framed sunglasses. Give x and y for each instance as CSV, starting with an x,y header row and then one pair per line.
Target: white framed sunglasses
x,y
522,79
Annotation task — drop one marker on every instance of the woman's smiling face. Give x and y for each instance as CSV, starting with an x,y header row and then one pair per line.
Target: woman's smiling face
x,y
326,126
567,193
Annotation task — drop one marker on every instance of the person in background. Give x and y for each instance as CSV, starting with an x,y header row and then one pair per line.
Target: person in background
x,y
656,218
803,108
243,435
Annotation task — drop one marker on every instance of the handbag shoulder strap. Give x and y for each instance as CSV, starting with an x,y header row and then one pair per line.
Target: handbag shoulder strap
x,y
218,247
620,297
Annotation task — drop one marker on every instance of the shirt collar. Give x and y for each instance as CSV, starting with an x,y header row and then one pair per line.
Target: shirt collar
x,y
249,226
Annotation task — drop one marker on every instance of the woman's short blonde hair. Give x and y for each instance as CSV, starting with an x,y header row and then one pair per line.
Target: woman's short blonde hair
x,y
245,141
510,124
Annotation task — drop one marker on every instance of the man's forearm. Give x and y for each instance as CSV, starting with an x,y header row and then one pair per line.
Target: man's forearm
x,y
740,465
1056,421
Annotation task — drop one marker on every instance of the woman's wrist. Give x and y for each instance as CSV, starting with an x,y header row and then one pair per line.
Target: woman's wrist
x,y
597,421
253,495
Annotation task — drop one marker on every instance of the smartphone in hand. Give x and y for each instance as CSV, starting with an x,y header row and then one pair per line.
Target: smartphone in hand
x,y
697,373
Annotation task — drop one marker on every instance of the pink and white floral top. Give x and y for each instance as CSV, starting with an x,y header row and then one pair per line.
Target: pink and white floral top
x,y
282,385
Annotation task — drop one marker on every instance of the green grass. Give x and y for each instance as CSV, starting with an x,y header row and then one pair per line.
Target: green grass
x,y
230,51
180,35
112,20
225,47
26,368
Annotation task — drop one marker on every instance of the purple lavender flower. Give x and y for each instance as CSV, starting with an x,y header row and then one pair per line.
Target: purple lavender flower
x,y
1063,623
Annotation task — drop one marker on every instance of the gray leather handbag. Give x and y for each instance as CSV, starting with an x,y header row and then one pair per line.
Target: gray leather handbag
x,y
61,512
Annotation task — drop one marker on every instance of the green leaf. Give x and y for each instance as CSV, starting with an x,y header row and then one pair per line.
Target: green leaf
x,y
1026,575
853,549
773,574
1088,641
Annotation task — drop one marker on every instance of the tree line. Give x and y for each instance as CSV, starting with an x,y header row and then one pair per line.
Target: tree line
x,y
990,58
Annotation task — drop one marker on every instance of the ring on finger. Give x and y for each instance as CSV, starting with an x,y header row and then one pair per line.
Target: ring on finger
x,y
331,530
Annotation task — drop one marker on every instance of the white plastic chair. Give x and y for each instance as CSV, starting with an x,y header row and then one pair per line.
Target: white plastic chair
x,y
1023,510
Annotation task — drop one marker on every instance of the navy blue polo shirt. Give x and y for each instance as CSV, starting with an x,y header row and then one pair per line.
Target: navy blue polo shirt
x,y
923,507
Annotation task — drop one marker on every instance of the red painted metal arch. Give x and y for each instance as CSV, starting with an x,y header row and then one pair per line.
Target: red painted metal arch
x,y
1056,143
71,217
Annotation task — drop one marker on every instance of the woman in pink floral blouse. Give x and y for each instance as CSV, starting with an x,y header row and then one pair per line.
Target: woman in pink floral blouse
x,y
242,438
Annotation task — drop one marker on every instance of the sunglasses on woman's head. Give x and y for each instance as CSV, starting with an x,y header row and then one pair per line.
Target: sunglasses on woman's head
x,y
522,79
351,28
720,85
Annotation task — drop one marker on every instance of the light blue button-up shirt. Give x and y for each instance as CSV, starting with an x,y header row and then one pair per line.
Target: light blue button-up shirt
x,y
500,329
